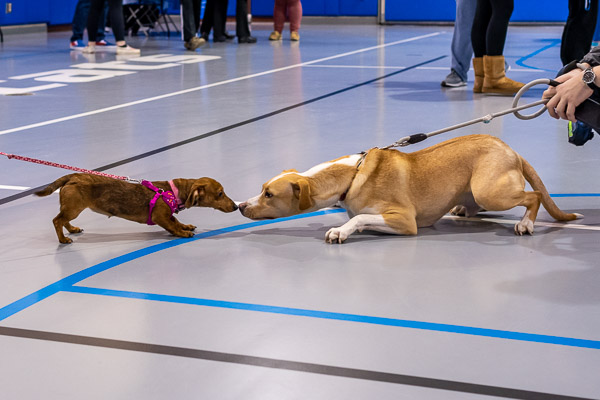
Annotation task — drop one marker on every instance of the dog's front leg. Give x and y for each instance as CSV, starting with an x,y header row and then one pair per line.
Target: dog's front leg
x,y
173,226
397,223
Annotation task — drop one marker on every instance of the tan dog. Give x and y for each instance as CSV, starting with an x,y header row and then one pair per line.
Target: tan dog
x,y
394,192
117,198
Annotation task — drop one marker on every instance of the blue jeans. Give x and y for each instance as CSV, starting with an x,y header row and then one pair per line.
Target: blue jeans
x,y
461,48
80,17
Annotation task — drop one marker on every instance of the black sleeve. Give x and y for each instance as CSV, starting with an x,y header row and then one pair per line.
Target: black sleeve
x,y
593,57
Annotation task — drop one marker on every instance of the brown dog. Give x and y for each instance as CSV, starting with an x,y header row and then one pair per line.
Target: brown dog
x,y
117,198
394,192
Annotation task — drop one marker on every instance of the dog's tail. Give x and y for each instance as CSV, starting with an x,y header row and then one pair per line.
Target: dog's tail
x,y
536,183
60,182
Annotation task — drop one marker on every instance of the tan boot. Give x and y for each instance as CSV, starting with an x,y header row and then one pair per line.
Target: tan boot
x,y
495,80
478,68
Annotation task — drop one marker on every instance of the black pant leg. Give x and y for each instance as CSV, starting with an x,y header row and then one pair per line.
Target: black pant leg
x,y
241,19
578,32
189,21
220,18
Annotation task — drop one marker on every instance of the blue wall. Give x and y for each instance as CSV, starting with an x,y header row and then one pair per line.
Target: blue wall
x,y
445,10
56,12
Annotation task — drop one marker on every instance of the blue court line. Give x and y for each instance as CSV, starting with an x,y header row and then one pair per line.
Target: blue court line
x,y
521,61
69,281
66,284
365,319
574,194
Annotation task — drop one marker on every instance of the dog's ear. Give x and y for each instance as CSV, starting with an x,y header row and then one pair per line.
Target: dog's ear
x,y
196,195
302,193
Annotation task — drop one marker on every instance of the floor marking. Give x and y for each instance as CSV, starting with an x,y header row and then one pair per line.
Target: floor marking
x,y
364,319
423,68
564,225
521,61
68,285
226,128
8,187
77,277
279,364
195,89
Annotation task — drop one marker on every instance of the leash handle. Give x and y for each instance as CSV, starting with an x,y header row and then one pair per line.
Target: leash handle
x,y
64,166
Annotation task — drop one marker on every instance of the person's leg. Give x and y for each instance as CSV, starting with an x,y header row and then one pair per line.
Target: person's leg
x,y
102,23
220,21
279,15
498,27
578,32
116,20
80,19
483,14
189,22
295,14
461,47
495,80
96,7
241,23
208,19
197,11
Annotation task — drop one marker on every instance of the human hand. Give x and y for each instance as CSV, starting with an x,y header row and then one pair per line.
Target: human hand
x,y
565,97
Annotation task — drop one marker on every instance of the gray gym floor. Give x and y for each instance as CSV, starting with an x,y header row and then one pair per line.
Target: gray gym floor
x,y
266,309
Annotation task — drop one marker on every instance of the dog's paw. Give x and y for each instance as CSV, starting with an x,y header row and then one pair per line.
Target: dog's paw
x,y
524,226
336,235
188,227
459,211
65,240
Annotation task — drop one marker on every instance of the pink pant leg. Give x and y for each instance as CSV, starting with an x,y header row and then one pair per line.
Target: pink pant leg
x,y
279,15
294,8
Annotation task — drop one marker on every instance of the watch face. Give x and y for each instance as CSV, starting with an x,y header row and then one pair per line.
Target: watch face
x,y
588,76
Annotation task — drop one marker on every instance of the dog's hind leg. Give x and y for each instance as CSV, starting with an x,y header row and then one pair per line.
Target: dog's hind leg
x,y
507,192
397,223
467,207
62,220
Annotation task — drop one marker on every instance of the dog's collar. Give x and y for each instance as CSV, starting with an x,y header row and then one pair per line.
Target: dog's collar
x,y
169,197
363,155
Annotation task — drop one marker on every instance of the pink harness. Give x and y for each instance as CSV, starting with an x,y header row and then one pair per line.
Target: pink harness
x,y
170,197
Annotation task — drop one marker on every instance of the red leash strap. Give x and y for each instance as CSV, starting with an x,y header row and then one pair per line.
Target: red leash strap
x,y
52,164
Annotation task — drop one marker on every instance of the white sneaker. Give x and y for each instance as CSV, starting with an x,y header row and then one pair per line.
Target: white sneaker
x,y
127,50
89,49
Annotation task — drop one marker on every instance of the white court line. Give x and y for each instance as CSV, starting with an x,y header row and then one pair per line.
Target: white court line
x,y
194,89
537,223
7,187
400,67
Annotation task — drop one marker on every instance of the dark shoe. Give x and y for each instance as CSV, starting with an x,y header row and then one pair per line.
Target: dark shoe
x,y
247,39
219,39
580,133
228,36
204,36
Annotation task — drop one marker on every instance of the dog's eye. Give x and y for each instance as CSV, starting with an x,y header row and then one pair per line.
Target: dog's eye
x,y
268,195
220,194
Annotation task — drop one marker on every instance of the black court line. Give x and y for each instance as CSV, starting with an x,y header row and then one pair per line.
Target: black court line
x,y
329,370
226,128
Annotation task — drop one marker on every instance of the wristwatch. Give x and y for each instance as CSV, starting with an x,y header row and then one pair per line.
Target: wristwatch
x,y
588,78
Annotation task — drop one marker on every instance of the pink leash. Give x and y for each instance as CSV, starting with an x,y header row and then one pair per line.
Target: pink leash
x,y
171,198
63,166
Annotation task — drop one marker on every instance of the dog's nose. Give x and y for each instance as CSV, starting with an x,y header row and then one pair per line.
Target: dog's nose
x,y
242,206
235,207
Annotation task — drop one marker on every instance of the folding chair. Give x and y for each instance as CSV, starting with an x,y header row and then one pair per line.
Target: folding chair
x,y
141,15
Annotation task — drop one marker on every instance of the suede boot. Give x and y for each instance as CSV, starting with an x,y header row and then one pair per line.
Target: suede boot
x,y
495,80
478,68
